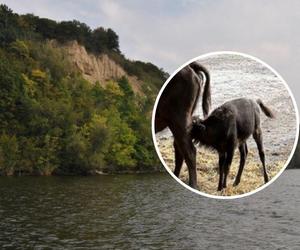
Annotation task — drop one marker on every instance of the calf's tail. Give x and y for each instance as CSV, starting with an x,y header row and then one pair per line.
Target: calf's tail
x,y
265,109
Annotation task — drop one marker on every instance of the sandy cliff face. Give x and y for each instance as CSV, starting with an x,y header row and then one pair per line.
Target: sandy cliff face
x,y
98,68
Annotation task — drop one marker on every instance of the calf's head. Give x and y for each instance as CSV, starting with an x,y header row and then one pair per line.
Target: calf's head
x,y
198,129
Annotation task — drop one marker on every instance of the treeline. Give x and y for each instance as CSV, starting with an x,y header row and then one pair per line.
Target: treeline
x,y
29,27
52,121
97,41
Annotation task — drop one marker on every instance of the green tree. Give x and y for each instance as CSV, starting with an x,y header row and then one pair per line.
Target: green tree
x,y
98,137
11,83
123,139
112,40
99,40
9,154
75,154
20,48
47,160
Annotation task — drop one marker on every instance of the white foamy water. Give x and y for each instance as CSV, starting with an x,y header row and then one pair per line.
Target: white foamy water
x,y
235,76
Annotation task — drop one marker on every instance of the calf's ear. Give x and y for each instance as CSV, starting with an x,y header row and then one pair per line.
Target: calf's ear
x,y
195,120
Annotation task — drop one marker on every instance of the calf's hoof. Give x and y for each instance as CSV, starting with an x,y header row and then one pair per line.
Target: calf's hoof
x,y
236,183
266,179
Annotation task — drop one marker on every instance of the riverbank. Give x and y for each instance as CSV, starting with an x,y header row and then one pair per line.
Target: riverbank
x,y
207,169
95,172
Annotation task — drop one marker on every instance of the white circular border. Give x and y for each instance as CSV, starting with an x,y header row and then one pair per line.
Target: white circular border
x,y
217,196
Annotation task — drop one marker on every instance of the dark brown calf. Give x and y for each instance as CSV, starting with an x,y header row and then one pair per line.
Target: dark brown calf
x,y
229,126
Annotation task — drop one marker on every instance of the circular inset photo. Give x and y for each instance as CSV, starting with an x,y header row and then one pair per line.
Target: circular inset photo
x,y
225,125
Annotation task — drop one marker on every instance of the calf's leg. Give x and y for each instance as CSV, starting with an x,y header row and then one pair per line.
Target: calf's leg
x,y
257,135
243,155
222,157
228,160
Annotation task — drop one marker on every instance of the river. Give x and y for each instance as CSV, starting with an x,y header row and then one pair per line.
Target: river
x,y
149,211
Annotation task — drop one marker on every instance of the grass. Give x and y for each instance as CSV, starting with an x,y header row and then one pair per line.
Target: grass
x,y
207,170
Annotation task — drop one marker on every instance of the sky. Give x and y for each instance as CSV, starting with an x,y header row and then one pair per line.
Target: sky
x,y
168,33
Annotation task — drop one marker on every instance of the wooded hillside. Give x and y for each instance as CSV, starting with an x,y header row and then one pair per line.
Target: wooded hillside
x,y
53,120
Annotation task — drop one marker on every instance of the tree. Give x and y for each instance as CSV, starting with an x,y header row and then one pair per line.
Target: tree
x,y
11,83
98,136
121,148
9,154
99,40
47,160
127,103
44,26
112,40
20,48
8,25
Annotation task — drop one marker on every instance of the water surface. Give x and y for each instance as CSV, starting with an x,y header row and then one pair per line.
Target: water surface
x,y
148,211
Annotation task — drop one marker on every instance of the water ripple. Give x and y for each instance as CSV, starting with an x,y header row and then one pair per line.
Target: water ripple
x,y
144,211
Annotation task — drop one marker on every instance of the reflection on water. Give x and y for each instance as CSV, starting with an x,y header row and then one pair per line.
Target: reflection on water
x,y
144,211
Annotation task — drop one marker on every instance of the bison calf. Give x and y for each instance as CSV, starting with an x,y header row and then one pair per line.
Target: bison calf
x,y
229,126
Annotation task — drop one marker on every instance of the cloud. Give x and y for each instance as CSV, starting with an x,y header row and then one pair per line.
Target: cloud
x,y
168,33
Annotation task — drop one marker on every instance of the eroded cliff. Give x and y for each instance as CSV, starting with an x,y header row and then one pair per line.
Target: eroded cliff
x,y
98,68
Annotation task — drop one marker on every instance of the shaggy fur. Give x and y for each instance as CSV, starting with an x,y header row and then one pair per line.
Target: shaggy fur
x,y
228,127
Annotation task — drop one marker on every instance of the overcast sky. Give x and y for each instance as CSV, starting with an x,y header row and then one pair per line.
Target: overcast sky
x,y
170,32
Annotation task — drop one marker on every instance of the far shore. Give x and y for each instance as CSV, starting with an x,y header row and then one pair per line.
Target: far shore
x,y
156,169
